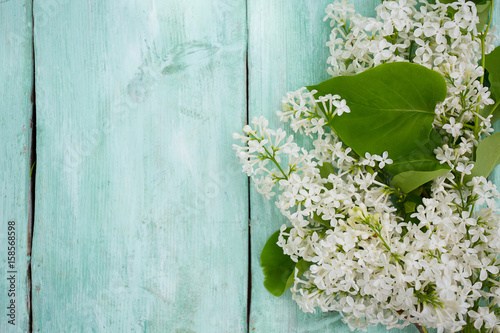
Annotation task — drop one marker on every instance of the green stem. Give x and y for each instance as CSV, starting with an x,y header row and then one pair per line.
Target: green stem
x,y
494,107
483,64
271,157
421,329
377,232
411,54
32,167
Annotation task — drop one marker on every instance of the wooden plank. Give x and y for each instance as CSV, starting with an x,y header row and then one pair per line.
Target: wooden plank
x,y
16,84
286,40
141,209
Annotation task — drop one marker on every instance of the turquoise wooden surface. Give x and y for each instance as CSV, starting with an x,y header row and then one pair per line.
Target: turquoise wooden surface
x,y
142,212
16,84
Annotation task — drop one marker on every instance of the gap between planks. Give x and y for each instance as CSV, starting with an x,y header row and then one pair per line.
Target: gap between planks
x,y
249,257
32,167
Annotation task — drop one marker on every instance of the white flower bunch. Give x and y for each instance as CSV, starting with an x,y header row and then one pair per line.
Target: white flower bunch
x,y
357,43
375,256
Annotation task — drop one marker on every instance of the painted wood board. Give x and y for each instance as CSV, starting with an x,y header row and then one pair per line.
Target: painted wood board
x,y
141,219
16,84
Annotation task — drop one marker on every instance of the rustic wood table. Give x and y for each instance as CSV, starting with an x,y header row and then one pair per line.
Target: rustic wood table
x,y
136,216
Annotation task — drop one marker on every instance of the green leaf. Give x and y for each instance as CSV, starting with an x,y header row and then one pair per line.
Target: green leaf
x,y
392,107
319,218
410,207
451,1
278,268
422,159
324,171
483,12
482,7
410,180
302,266
416,161
493,68
417,172
487,157
411,203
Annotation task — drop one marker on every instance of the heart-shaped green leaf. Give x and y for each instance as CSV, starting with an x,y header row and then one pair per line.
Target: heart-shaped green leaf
x,y
410,180
302,267
421,159
325,170
493,68
483,11
392,107
416,169
487,156
279,269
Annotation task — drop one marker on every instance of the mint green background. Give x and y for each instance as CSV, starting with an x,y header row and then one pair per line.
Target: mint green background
x,y
141,219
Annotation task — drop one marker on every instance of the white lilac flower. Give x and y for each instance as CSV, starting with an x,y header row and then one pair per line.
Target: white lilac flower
x,y
483,316
341,107
465,169
455,129
383,160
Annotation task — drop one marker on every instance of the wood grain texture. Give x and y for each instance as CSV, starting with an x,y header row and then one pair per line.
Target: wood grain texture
x,y
16,84
141,210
